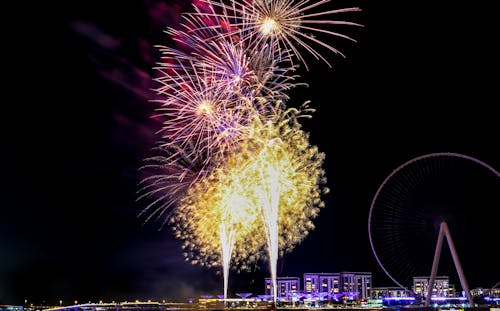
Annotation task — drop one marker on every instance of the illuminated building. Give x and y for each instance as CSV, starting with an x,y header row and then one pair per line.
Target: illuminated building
x,y
322,283
441,288
287,287
357,282
494,292
354,284
452,291
486,292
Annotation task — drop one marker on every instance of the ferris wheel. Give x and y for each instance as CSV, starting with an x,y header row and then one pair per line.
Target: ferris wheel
x,y
413,201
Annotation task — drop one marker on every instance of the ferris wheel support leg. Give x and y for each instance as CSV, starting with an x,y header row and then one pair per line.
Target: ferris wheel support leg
x,y
458,266
435,263
444,231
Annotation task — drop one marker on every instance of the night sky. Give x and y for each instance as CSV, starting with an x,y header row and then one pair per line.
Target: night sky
x,y
422,78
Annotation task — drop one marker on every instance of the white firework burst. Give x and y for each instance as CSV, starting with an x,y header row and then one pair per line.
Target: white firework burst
x,y
285,24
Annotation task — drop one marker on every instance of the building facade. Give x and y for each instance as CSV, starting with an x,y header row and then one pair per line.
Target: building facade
x,y
486,292
322,283
353,284
357,282
288,287
442,288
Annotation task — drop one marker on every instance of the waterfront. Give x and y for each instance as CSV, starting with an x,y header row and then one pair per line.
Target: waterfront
x,y
241,306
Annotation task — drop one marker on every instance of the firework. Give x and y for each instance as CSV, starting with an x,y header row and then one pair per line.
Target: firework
x,y
233,161
214,41
211,93
264,196
287,24
286,176
198,110
168,175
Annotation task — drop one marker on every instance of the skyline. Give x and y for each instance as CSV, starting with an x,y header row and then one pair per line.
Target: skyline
x,y
76,195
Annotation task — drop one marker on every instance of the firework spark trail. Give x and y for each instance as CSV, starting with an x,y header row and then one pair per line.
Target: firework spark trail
x,y
217,202
166,181
270,196
274,167
227,234
235,214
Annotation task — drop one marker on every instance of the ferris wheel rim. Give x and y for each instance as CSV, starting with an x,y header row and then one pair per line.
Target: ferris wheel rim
x,y
398,169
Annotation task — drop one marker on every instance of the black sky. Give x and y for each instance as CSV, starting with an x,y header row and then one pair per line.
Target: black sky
x,y
422,78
